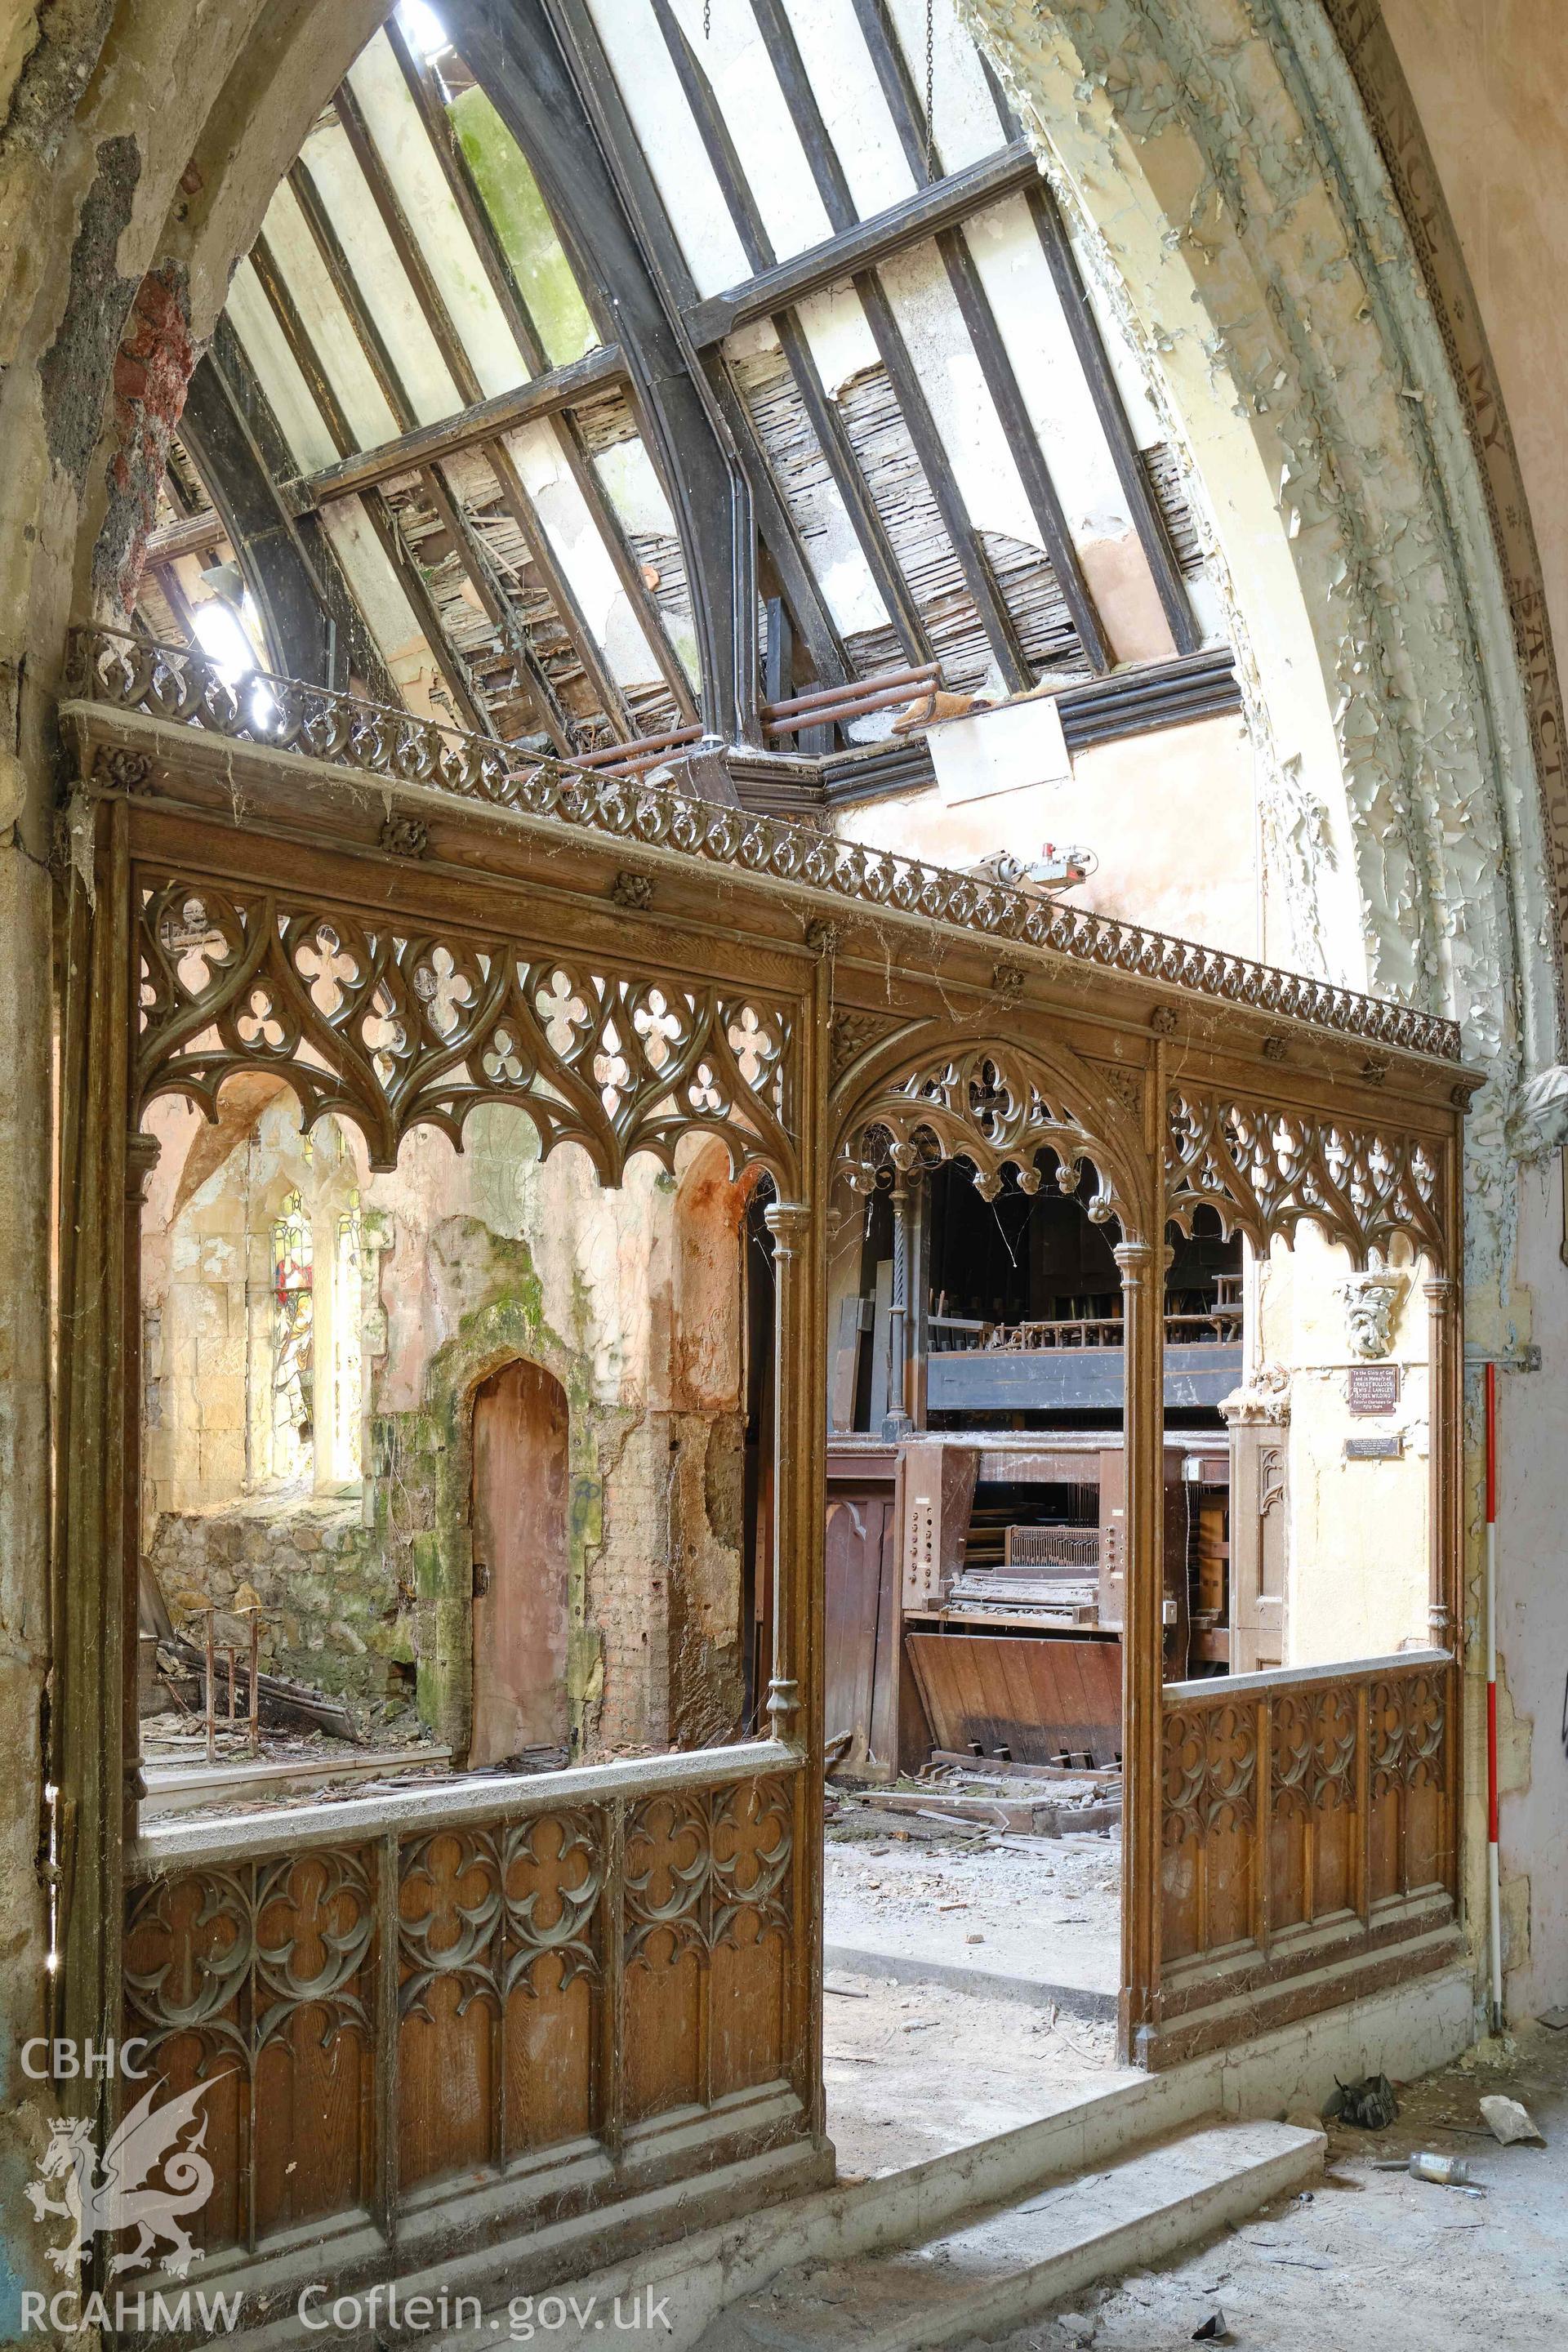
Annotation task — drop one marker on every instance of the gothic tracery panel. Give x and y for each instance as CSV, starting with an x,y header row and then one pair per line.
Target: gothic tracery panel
x,y
1265,1170
396,1027
981,1104
1318,1804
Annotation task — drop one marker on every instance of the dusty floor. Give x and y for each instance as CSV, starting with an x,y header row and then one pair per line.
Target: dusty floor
x,y
1043,1910
1375,2259
916,2068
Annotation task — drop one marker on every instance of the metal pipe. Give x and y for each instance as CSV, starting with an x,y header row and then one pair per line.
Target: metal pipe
x,y
211,1690
614,753
254,1680
822,695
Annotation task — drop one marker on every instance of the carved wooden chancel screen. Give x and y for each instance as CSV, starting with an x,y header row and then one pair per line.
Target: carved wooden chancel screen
x,y
429,2017
422,2016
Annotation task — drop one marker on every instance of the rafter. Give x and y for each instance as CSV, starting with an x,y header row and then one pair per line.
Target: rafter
x,y
536,63
408,249
633,181
980,324
426,93
866,245
827,423
466,543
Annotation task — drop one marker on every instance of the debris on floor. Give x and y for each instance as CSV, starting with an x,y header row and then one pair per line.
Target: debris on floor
x,y
1511,2124
1377,2258
1368,2106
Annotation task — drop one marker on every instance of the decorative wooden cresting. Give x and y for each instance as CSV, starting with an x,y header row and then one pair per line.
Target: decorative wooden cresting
x,y
445,2016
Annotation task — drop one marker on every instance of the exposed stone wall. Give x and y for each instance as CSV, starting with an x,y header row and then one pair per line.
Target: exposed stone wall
x,y
332,1612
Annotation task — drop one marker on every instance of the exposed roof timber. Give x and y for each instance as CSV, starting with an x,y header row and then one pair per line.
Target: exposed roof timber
x,y
779,531
1147,520
629,571
827,423
468,697
980,323
468,543
986,596
467,700
427,95
345,285
249,512
407,248
499,611
558,587
544,72
832,440
297,335
441,131
1023,441
546,396
629,168
173,595
912,222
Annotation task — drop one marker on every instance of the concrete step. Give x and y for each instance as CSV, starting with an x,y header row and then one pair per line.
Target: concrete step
x,y
995,2274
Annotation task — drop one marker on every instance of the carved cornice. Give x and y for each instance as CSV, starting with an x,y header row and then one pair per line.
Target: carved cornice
x,y
177,685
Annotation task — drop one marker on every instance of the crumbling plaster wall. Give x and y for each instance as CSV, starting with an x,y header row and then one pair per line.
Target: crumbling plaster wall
x,y
1171,819
1217,158
630,1298
1489,86
1215,155
1357,1566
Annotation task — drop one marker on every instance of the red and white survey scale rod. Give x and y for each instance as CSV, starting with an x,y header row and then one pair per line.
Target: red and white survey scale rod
x,y
1494,1890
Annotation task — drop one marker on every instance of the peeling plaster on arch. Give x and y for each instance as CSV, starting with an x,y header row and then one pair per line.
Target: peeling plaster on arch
x,y
1236,210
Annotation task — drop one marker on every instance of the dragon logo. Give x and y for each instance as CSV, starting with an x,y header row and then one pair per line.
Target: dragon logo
x,y
146,2182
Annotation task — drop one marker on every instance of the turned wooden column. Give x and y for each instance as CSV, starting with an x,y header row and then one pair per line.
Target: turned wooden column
x,y
1142,1632
789,1222
141,1160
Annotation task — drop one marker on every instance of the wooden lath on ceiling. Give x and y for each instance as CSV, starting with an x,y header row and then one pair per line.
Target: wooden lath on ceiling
x,y
493,505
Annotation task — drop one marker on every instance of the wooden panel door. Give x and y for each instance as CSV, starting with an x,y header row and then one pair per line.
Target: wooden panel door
x,y
860,1652
519,1564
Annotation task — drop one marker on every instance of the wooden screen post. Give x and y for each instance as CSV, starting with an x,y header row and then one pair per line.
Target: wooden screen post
x,y
92,1506
1142,1632
1444,1372
141,1160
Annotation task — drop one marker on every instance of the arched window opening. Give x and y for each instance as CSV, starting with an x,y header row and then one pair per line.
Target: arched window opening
x,y
294,1335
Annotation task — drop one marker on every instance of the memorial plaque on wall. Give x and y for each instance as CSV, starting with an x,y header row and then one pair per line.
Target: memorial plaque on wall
x,y
1373,1388
1389,1448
